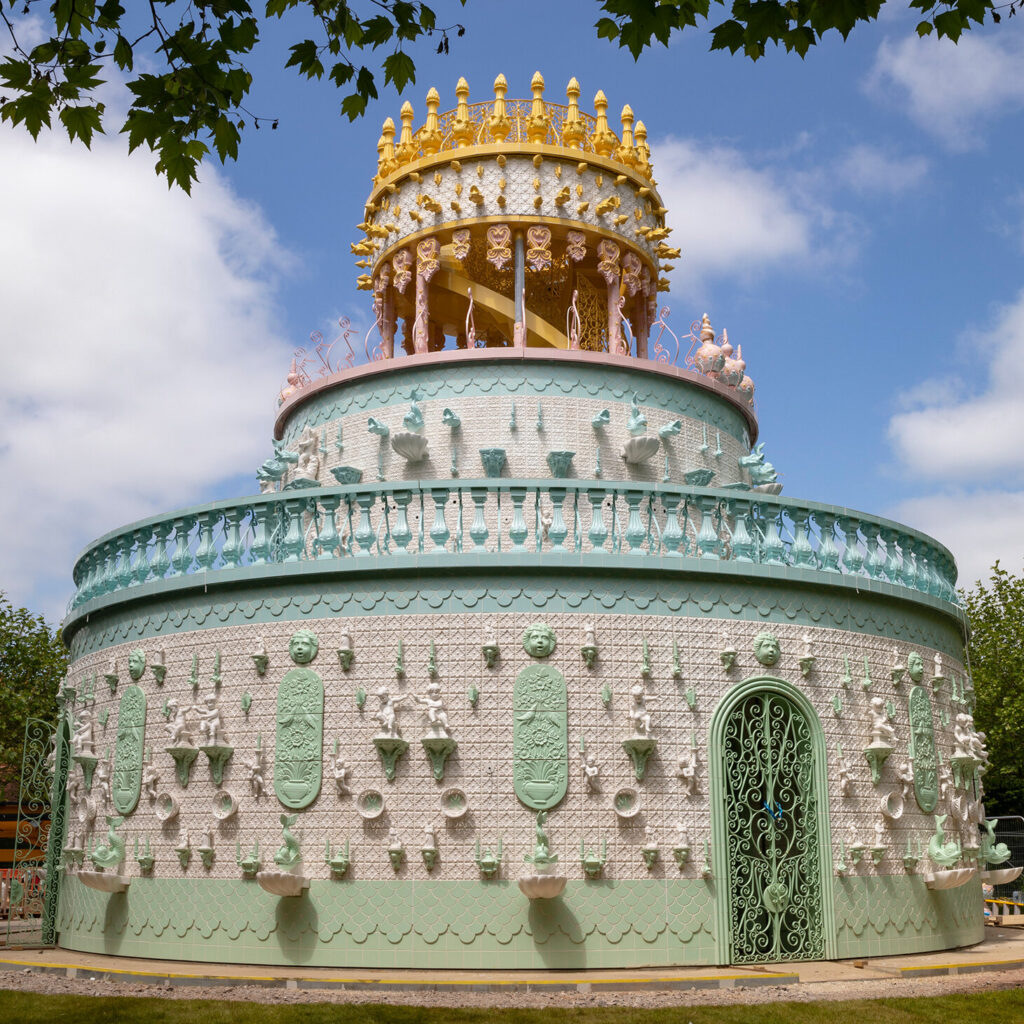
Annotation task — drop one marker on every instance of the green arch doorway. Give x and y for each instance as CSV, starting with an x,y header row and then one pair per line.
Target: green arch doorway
x,y
770,826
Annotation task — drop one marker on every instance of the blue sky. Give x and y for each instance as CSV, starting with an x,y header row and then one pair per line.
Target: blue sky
x,y
855,220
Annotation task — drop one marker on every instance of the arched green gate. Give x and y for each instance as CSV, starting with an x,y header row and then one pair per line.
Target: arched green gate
x,y
770,809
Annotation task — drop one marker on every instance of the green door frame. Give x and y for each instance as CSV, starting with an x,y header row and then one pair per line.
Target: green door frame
x,y
719,835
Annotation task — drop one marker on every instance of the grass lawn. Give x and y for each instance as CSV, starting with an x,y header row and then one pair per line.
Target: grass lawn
x,y
27,1008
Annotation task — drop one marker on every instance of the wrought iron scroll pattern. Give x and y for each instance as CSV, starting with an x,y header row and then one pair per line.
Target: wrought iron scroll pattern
x,y
772,826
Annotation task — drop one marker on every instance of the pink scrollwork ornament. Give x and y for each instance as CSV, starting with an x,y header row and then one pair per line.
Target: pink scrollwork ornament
x,y
608,261
538,253
460,243
427,252
401,263
499,246
660,352
631,273
576,246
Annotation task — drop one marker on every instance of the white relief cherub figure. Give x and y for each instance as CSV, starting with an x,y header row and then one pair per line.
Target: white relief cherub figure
x,y
254,766
150,781
434,710
639,716
342,771
881,731
83,740
386,714
906,777
687,771
308,465
591,773
103,781
211,721
177,727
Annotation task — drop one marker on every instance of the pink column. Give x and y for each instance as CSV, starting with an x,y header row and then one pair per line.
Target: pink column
x,y
427,252
608,268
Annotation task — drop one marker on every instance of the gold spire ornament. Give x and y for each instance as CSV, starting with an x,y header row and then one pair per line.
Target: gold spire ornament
x,y
462,126
643,151
539,122
388,164
406,147
625,153
430,135
573,129
498,124
604,139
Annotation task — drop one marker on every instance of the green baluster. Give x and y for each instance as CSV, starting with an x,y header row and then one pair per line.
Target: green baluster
x,y
577,523
774,548
921,580
892,558
874,563
558,531
635,532
852,558
743,546
800,552
231,550
439,532
160,562
140,570
292,543
206,552
907,573
517,530
672,535
478,529
182,560
327,541
707,538
124,568
263,516
598,532
828,553
401,534
364,531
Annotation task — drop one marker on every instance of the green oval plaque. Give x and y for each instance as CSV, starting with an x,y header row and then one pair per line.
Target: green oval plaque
x,y
131,737
298,752
922,750
540,742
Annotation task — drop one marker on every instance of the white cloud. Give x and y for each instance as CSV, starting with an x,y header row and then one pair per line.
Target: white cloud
x,y
728,216
868,169
977,527
973,438
950,89
139,355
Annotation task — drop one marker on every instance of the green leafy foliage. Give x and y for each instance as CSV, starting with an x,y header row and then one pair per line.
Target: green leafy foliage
x,y
191,99
33,663
996,613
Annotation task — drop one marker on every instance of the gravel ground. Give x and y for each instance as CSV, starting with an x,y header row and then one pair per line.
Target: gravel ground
x,y
871,988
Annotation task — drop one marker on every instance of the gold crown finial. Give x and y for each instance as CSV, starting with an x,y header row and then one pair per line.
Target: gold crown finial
x,y
605,140
643,151
537,126
625,153
406,147
498,123
462,127
387,163
430,135
573,130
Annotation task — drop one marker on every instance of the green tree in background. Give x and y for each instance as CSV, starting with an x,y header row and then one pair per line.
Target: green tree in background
x,y
191,95
996,613
33,662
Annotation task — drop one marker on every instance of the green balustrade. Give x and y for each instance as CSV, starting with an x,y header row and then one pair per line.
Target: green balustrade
x,y
520,517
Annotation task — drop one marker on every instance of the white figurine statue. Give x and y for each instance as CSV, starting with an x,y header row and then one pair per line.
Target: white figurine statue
x,y
83,740
906,777
386,714
177,727
308,465
211,721
150,781
687,771
591,773
434,710
103,781
254,766
341,774
881,731
639,716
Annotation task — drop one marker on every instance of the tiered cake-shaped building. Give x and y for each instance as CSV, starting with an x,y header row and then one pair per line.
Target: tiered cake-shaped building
x,y
519,658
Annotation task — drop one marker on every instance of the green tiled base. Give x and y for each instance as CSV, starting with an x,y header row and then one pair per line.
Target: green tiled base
x,y
396,924
477,925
